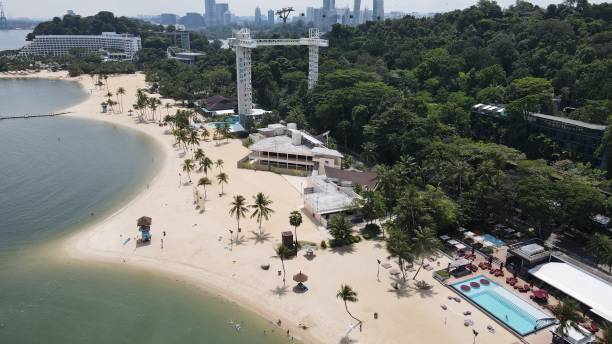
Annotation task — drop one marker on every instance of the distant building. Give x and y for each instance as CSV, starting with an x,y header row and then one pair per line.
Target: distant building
x,y
227,18
209,12
179,38
110,45
187,57
378,10
357,12
70,13
271,17
220,10
257,16
571,135
192,20
168,19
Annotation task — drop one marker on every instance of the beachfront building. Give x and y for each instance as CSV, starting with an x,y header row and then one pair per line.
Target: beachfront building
x,y
221,106
290,149
333,193
110,45
591,291
325,197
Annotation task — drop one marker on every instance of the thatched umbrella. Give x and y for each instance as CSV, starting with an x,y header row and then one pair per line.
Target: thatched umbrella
x,y
144,221
300,278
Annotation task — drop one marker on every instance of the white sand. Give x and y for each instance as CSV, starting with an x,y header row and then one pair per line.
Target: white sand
x,y
197,251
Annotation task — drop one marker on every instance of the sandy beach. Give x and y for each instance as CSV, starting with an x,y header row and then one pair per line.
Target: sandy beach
x,y
197,249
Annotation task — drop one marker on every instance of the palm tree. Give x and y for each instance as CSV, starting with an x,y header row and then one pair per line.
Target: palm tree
x,y
599,245
424,243
204,181
219,164
204,134
295,220
222,178
347,294
199,154
261,208
282,252
168,106
193,138
205,164
567,312
188,166
398,246
369,152
239,210
109,95
120,92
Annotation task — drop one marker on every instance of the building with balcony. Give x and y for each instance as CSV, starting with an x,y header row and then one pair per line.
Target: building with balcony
x,y
287,148
111,45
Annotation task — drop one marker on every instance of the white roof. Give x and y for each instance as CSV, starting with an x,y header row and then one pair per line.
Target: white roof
x,y
460,246
280,144
584,287
469,234
577,334
326,151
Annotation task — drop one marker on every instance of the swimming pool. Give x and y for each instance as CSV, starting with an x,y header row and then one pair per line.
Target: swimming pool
x,y
493,240
502,304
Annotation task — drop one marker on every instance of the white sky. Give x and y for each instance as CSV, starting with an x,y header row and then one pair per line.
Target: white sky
x,y
51,8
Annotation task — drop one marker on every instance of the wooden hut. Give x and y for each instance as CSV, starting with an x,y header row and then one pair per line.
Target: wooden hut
x,y
144,226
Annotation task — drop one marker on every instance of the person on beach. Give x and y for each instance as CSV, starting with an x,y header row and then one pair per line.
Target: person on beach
x,y
162,243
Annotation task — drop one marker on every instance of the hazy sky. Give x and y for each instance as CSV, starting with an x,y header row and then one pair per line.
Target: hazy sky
x,y
51,8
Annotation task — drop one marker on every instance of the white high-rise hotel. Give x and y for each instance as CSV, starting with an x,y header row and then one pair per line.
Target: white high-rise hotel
x,y
109,44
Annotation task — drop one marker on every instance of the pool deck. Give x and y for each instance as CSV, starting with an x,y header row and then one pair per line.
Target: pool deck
x,y
542,336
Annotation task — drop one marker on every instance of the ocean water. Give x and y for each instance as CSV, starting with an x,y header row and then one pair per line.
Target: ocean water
x,y
37,96
57,175
13,39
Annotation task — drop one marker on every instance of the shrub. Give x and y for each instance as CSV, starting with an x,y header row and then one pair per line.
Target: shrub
x,y
487,250
323,244
370,231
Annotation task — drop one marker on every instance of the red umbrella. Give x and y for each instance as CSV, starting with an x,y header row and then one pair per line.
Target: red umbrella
x,y
540,294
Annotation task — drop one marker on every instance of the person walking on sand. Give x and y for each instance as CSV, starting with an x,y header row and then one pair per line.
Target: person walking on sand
x,y
162,243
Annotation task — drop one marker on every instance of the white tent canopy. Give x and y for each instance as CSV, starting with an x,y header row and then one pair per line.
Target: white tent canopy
x,y
584,287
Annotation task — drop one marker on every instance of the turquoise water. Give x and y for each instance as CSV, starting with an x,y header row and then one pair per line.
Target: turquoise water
x,y
56,176
493,240
12,39
502,304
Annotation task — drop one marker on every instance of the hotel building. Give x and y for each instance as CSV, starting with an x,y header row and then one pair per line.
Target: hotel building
x,y
110,45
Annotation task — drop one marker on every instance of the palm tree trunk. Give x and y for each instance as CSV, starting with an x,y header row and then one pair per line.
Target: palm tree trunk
x,y
401,261
283,263
419,269
349,313
296,239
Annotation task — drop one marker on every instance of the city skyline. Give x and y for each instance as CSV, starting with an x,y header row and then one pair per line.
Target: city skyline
x,y
40,9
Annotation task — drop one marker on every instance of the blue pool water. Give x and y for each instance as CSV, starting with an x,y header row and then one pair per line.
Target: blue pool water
x,y
505,306
233,121
493,240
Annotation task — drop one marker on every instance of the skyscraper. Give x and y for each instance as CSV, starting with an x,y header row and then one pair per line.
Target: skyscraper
x,y
270,17
357,12
209,12
378,10
220,10
257,16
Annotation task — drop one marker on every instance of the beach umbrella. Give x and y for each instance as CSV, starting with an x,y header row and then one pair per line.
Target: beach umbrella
x,y
300,278
144,221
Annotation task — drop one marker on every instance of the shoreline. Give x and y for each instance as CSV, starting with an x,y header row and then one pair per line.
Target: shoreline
x,y
203,259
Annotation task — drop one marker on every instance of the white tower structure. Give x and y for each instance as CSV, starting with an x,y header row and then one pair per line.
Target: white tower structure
x,y
243,44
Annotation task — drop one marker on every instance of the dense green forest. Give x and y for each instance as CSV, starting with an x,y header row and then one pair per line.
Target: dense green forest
x,y
396,97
